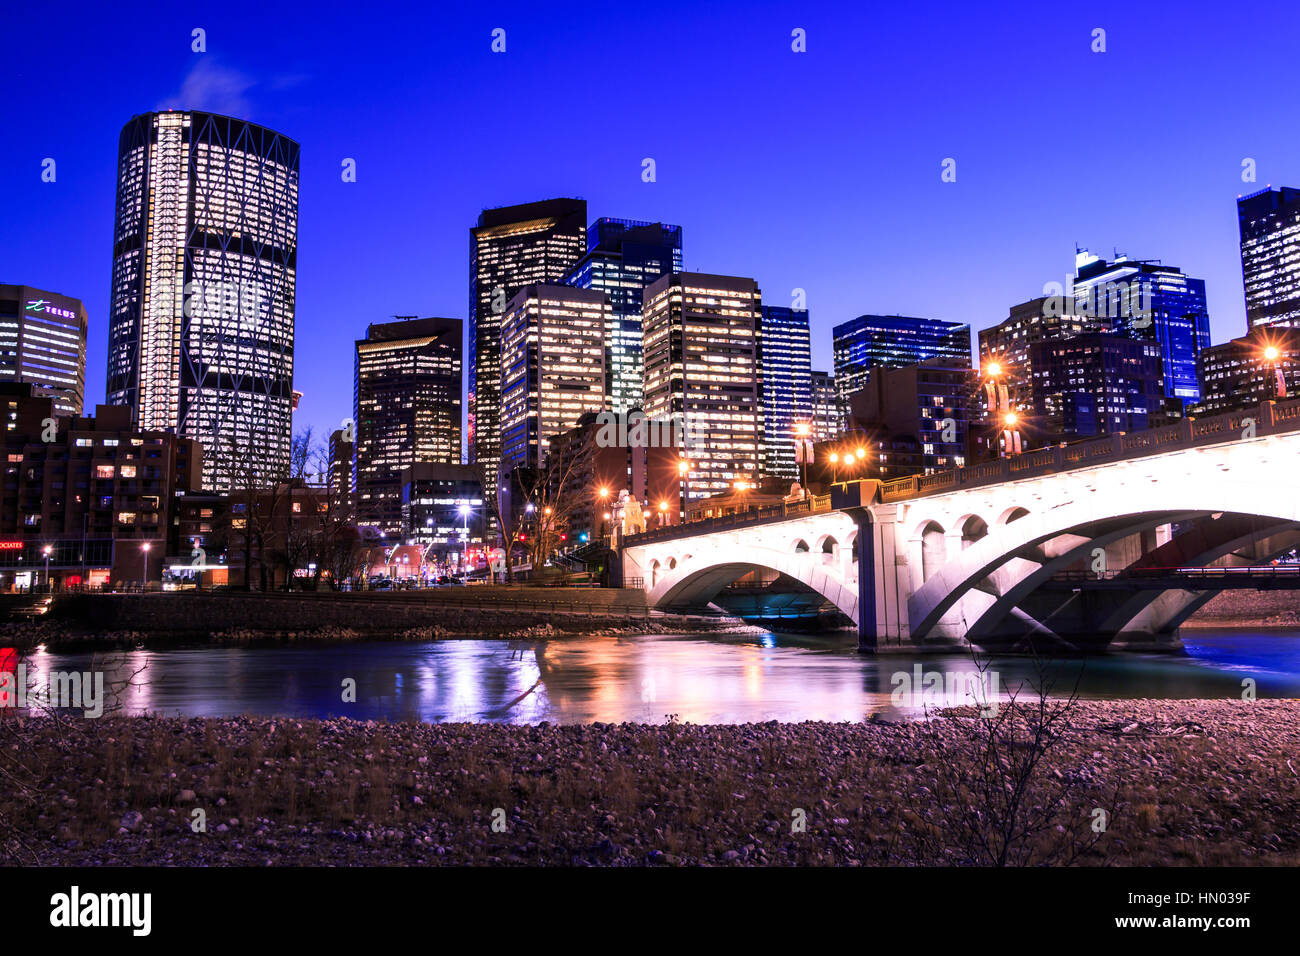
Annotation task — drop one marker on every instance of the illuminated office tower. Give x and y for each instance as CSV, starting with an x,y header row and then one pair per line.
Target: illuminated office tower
x,y
1269,222
623,257
552,367
509,248
702,366
786,351
827,415
43,342
893,341
1149,302
201,324
406,392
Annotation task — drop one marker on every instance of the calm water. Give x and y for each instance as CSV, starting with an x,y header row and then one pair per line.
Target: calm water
x,y
697,678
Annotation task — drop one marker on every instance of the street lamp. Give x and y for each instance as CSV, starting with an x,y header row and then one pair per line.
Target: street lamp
x,y
663,513
144,565
1271,356
835,467
47,551
801,432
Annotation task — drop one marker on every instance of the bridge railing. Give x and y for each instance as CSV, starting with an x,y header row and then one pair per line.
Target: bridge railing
x,y
814,504
1267,418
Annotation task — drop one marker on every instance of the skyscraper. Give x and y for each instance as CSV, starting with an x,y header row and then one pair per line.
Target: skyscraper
x,y
552,367
786,351
43,342
201,323
1269,222
406,392
1149,302
509,248
893,341
827,415
623,257
702,367
1098,384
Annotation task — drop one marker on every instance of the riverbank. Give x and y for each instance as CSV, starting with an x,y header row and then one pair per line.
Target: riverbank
x,y
1176,782
160,620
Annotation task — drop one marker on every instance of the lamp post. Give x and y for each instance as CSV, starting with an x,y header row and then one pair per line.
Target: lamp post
x,y
801,432
144,565
602,495
1010,434
1271,356
683,475
47,551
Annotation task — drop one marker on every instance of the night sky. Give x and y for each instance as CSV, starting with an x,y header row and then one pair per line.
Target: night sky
x,y
818,170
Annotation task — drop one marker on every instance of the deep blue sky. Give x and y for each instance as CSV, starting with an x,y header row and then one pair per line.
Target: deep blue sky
x,y
818,170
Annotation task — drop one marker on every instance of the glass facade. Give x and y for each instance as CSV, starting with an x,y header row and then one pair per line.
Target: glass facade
x,y
1149,302
201,324
894,341
623,257
702,368
43,343
552,367
406,395
511,247
787,385
1269,222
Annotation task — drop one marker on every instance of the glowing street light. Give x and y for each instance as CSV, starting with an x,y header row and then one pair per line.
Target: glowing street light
x,y
1010,419
993,369
47,551
144,565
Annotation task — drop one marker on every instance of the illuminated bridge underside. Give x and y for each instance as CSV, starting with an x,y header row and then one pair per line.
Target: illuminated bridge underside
x,y
983,564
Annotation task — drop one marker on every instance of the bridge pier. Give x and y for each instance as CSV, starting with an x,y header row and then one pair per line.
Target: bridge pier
x,y
866,545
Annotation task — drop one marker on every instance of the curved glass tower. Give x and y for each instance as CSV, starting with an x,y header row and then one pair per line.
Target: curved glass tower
x,y
204,271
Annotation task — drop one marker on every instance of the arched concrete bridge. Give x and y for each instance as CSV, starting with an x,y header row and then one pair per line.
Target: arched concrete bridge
x,y
980,553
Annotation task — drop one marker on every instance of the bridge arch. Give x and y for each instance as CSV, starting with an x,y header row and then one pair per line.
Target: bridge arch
x,y
1081,525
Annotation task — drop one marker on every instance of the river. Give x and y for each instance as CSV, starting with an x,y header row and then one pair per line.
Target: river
x,y
711,678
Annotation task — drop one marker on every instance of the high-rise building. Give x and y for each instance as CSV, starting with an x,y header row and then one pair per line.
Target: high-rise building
x,y
43,343
702,368
623,257
893,341
1263,365
509,248
1149,302
406,393
827,414
342,450
1099,384
1269,222
443,510
552,367
786,350
201,324
916,420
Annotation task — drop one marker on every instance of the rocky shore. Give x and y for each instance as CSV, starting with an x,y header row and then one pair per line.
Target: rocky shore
x,y
1132,782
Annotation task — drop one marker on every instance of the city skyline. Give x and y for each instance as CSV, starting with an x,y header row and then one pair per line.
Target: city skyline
x,y
855,229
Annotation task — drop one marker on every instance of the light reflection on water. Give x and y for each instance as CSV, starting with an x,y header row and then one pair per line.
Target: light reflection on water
x,y
698,678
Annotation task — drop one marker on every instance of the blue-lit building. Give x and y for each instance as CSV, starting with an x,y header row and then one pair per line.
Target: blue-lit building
x,y
786,360
623,257
1149,302
894,341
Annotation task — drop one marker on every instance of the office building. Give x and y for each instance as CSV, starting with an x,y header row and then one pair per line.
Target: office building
x,y
1149,302
509,248
786,350
407,399
443,511
43,343
552,367
894,341
827,413
1269,223
702,368
916,420
97,502
623,257
1098,384
201,325
1263,365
